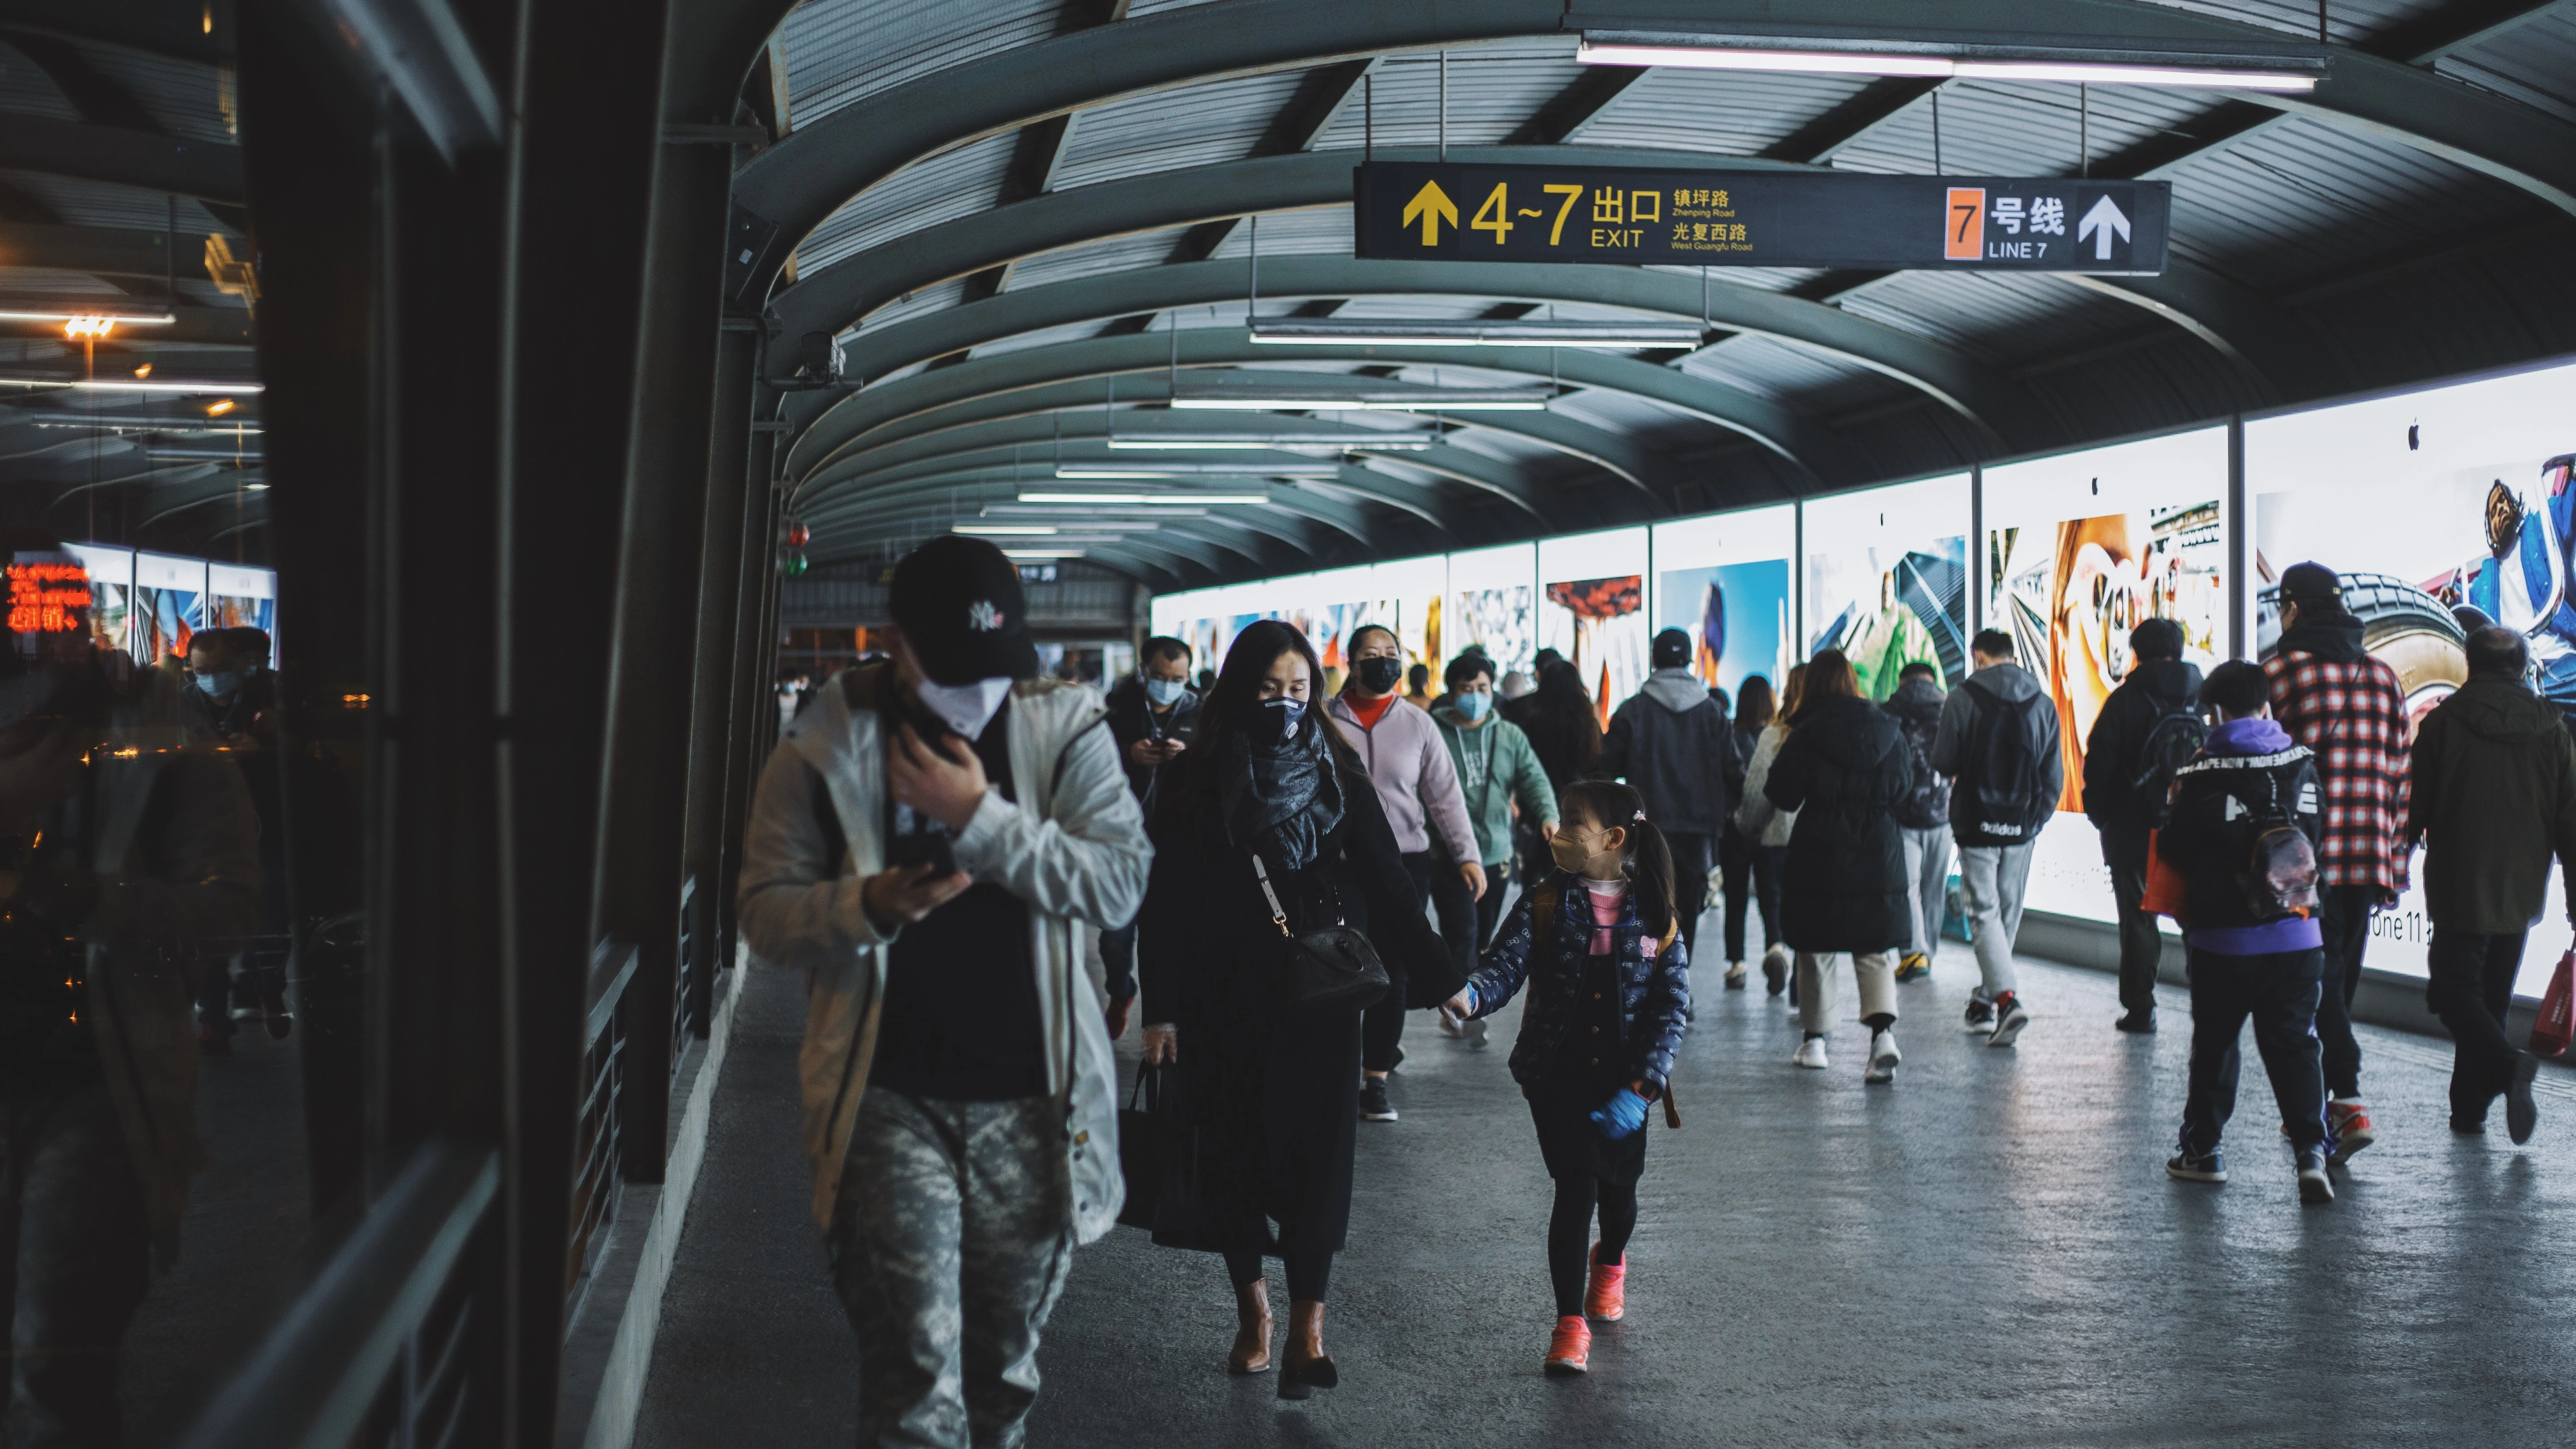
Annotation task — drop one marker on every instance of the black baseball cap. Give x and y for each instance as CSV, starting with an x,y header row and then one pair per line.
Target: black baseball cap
x,y
2311,584
959,604
1672,649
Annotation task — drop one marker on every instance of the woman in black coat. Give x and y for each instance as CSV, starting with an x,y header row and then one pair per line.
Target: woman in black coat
x,y
1843,768
1275,1097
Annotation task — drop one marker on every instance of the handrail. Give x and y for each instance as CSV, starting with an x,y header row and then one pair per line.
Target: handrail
x,y
311,1381
612,965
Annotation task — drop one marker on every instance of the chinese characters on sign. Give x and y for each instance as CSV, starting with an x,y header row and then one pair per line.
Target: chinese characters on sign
x,y
1413,210
46,598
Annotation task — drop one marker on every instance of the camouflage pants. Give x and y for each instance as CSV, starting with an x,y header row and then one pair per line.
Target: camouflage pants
x,y
949,1246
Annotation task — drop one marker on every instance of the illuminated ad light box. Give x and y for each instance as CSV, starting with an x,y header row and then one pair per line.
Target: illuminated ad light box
x,y
2079,550
168,605
1492,603
1592,610
242,598
1406,596
111,592
1331,607
1440,211
2442,510
1724,580
1887,580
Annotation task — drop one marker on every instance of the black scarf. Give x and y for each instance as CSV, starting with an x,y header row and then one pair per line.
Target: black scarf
x,y
2335,638
1280,799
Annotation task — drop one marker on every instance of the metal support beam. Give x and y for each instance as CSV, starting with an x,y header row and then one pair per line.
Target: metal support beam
x,y
1322,96
1582,101
1877,103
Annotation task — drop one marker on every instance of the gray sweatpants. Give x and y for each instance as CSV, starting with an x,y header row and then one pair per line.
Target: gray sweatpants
x,y
1992,882
1927,883
949,1246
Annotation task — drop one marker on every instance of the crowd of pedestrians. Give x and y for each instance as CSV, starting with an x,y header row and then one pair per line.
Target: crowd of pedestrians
x,y
1290,870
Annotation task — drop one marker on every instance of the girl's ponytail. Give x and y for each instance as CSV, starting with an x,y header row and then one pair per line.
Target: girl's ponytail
x,y
1613,805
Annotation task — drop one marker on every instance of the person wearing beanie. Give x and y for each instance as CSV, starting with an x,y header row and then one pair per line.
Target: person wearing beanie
x,y
923,844
2347,706
1672,741
2147,728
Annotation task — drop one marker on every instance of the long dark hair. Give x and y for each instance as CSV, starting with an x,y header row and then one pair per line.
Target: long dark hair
x,y
1829,676
1753,703
1234,696
1647,860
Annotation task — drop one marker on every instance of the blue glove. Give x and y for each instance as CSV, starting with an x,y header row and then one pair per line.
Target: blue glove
x,y
1621,1115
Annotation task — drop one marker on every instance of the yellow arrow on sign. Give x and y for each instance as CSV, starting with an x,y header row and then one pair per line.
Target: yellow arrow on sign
x,y
1431,204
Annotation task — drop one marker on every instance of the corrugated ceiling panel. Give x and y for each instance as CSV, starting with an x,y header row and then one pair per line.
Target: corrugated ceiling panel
x,y
28,91
1492,90
1761,279
1197,126
2347,21
182,95
1118,254
2303,199
929,299
2005,315
943,188
1995,129
1321,230
1783,370
90,203
839,51
2535,63
2171,380
58,284
1731,113
1073,332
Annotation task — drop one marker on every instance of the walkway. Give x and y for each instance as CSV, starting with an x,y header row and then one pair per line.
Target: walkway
x,y
1988,1253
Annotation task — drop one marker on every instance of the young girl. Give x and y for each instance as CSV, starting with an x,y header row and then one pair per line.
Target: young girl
x,y
1609,998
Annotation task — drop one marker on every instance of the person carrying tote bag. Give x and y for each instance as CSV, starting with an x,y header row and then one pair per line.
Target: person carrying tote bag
x,y
1269,1075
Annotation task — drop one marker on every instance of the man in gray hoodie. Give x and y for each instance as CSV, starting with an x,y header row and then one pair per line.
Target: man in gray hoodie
x,y
1672,742
1998,741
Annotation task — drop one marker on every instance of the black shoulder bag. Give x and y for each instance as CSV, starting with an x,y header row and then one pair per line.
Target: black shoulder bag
x,y
1334,969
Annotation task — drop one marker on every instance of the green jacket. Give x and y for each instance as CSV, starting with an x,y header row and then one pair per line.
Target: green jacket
x,y
2493,795
1495,767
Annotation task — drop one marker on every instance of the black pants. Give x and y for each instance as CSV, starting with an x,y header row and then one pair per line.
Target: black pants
x,y
2471,990
1594,1177
1690,882
2279,993
1454,905
1741,858
2344,914
2142,945
1489,909
1309,1274
1382,1029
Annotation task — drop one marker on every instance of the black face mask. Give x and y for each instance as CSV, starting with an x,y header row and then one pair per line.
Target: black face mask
x,y
1274,721
1380,674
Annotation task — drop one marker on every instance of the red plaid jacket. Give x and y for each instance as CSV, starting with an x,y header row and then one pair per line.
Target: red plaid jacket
x,y
2354,717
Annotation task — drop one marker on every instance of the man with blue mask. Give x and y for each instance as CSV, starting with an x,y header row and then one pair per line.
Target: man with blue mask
x,y
1497,770
925,845
1153,714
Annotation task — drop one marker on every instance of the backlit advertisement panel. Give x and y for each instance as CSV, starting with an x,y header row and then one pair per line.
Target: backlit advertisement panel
x,y
2442,510
1491,601
1887,580
1592,610
1725,582
2078,550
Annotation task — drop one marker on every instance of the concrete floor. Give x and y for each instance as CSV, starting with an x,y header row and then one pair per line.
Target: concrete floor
x,y
1986,1253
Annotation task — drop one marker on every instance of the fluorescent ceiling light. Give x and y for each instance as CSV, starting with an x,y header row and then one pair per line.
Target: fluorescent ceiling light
x,y
1032,529
1281,442
1095,514
1184,499
1320,331
91,314
1200,470
1352,396
1041,553
2034,68
121,385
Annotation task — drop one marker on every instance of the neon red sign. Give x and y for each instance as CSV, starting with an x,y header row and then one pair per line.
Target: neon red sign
x,y
44,598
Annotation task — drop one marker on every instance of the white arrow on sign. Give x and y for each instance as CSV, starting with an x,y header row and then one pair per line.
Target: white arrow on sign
x,y
2099,223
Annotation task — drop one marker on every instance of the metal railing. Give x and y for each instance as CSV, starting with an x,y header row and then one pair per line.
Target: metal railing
x,y
598,1144
688,1021
376,1351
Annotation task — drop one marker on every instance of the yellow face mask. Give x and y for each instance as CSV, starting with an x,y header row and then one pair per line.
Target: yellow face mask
x,y
1573,852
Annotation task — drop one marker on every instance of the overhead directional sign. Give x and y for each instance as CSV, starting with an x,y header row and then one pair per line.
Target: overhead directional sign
x,y
1413,211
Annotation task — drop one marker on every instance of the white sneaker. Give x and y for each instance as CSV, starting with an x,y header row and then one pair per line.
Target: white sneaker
x,y
1883,1057
1476,1033
1811,1054
1452,1028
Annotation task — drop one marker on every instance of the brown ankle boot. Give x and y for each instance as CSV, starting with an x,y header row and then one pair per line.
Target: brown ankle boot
x,y
1253,1323
1308,1367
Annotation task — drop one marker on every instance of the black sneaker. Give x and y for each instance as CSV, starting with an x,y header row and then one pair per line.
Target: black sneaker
x,y
1374,1107
2466,1127
2315,1188
1981,1013
2137,1023
2010,1018
2190,1166
2521,1114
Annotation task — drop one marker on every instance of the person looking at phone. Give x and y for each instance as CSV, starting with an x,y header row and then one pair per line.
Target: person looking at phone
x,y
922,844
1153,714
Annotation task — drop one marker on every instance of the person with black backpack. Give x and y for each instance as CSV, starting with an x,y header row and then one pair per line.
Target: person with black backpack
x,y
2149,728
1998,743
1922,816
2242,833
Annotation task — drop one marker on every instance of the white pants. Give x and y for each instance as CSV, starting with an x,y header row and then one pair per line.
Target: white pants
x,y
1820,986
1992,882
1927,883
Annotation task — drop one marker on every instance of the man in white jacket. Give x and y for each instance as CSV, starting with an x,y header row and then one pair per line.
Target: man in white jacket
x,y
924,844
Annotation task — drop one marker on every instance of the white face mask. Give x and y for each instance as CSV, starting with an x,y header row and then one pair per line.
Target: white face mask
x,y
965,708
